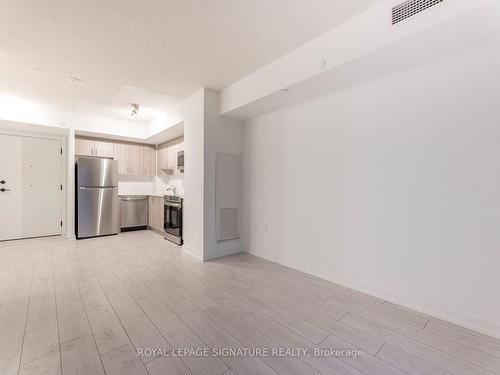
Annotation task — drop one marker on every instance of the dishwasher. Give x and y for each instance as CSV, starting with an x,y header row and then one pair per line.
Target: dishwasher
x,y
133,212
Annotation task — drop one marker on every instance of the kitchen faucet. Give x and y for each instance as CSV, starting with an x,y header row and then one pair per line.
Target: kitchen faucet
x,y
173,189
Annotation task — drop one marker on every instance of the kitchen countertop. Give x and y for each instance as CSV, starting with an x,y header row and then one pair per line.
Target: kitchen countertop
x,y
153,195
133,195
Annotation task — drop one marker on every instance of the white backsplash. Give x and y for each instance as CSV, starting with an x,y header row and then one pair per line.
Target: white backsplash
x,y
139,186
150,185
162,183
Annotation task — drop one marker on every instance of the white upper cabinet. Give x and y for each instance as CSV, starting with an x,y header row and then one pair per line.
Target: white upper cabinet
x,y
91,147
84,147
104,149
133,159
136,160
167,157
165,165
122,154
149,160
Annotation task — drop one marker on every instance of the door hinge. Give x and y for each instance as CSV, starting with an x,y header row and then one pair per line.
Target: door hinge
x,y
61,150
61,187
61,223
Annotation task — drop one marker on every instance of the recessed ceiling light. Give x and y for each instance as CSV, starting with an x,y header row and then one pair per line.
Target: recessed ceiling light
x,y
285,91
74,80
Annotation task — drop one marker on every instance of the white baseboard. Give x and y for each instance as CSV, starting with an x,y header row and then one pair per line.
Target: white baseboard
x,y
192,252
439,312
224,253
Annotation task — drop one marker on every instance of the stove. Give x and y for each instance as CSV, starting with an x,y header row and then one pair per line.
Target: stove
x,y
172,223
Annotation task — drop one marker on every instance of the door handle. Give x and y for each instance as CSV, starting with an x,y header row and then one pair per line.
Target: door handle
x,y
4,189
2,182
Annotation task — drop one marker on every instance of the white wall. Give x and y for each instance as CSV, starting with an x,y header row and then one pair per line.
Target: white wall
x,y
221,135
191,112
205,134
389,187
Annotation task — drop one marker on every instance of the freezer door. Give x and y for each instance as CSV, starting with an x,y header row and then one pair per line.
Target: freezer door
x,y
95,172
97,211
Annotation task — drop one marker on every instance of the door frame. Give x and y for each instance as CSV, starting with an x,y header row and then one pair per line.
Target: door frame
x,y
64,167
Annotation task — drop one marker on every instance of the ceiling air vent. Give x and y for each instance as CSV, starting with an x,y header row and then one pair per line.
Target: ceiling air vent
x,y
410,8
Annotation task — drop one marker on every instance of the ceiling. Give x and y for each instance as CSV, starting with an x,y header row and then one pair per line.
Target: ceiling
x,y
435,33
155,52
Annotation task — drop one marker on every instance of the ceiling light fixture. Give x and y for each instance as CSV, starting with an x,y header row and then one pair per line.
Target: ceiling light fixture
x,y
135,109
285,91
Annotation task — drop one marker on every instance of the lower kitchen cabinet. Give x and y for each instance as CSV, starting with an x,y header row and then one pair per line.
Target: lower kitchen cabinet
x,y
156,209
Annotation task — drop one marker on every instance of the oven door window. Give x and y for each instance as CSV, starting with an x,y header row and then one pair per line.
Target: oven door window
x,y
173,220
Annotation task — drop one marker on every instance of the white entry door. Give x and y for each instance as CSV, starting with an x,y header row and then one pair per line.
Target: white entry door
x,y
11,192
30,187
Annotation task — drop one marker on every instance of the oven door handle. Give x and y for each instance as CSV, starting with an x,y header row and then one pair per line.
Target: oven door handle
x,y
173,205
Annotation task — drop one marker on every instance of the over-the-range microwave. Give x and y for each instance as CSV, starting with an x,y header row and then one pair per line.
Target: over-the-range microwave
x,y
180,161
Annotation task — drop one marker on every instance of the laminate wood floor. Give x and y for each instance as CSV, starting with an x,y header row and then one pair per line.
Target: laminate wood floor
x,y
135,304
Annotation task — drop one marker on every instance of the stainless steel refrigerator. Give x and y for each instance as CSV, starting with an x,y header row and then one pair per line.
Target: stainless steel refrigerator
x,y
96,197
